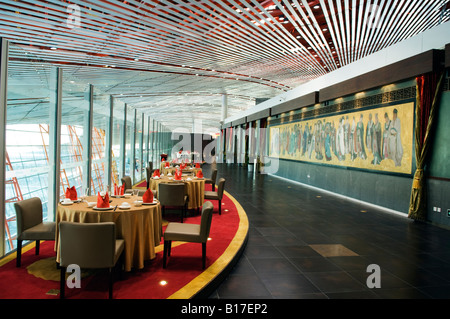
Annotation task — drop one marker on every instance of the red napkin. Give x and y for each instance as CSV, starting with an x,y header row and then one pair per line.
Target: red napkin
x,y
182,166
116,189
102,202
197,165
167,164
177,175
148,196
71,193
122,189
199,174
156,173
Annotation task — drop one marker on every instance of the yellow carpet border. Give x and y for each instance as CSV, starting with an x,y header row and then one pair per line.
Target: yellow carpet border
x,y
200,282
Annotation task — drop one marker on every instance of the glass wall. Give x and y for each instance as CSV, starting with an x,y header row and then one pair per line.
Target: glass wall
x,y
75,137
86,133
99,157
118,135
30,94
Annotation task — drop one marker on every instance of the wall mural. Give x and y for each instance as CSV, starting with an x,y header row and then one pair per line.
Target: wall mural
x,y
375,139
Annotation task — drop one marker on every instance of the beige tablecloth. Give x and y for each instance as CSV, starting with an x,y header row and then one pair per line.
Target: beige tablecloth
x,y
140,227
195,189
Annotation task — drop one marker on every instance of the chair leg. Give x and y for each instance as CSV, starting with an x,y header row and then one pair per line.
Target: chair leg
x,y
19,253
165,253
38,242
203,255
111,282
62,283
169,248
220,207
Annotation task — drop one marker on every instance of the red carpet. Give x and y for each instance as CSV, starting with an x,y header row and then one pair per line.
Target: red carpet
x,y
183,275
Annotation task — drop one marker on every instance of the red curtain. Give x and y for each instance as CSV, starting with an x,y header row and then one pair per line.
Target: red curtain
x,y
428,93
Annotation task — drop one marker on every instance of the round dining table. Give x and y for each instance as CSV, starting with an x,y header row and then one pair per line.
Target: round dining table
x,y
195,188
139,226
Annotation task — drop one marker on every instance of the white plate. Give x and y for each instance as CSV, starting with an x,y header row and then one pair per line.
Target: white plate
x,y
154,203
124,207
66,204
102,208
156,177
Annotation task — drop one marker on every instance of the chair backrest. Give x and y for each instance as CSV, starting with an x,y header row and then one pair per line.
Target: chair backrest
x,y
205,223
28,213
127,181
88,245
148,170
221,187
150,165
214,176
171,194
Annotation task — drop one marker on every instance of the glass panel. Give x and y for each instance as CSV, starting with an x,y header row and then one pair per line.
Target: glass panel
x,y
118,130
99,163
30,93
138,149
129,142
74,134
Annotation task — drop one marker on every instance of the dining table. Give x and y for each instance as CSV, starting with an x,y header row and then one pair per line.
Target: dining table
x,y
195,187
138,224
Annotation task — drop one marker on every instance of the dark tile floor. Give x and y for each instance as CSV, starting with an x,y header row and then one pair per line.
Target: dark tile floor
x,y
287,220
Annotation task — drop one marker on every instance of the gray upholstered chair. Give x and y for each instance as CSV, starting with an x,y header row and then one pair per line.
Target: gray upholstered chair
x,y
90,246
30,225
217,195
128,185
189,233
173,195
212,180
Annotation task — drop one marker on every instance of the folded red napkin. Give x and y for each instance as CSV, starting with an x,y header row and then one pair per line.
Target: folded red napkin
x,y
182,166
156,173
102,201
71,193
177,175
199,174
167,164
116,189
148,196
197,165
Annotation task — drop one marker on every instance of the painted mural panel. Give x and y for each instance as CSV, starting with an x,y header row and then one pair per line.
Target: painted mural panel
x,y
375,139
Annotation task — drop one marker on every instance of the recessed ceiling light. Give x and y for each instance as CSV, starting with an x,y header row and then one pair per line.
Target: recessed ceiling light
x,y
316,7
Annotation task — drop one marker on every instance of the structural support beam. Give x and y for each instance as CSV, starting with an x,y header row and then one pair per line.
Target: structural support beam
x,y
108,148
54,174
4,47
87,140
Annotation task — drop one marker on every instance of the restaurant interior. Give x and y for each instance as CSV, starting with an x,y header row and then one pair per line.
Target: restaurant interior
x,y
218,150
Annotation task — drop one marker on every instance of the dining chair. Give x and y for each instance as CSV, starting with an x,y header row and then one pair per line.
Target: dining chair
x,y
30,225
212,180
193,233
90,246
173,195
217,195
128,186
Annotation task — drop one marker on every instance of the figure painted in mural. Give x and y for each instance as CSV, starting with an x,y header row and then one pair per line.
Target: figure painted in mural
x,y
346,136
327,141
305,139
395,142
376,142
385,147
359,142
318,140
333,138
311,141
352,140
299,140
275,145
340,140
369,133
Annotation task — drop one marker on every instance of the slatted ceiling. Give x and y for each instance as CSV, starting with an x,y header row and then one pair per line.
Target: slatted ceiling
x,y
251,49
